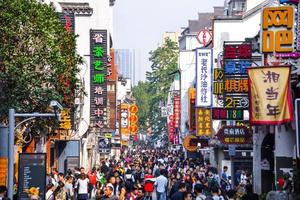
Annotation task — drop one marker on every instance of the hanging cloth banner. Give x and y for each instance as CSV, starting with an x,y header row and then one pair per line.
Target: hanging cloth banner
x,y
270,97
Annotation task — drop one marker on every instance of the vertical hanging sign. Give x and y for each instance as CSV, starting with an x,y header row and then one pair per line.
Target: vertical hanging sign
x,y
204,77
98,92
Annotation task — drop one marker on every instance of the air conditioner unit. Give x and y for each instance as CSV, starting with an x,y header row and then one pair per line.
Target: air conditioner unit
x,y
77,101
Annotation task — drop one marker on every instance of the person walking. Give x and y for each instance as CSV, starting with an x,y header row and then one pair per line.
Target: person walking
x,y
179,195
82,186
161,184
149,184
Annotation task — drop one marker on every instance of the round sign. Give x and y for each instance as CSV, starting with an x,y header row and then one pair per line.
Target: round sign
x,y
204,37
188,145
133,109
133,118
133,128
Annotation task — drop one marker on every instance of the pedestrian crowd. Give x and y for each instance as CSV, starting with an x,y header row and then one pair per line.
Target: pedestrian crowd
x,y
149,175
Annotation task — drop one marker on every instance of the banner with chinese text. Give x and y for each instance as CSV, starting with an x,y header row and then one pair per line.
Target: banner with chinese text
x,y
204,72
203,122
270,98
191,110
98,92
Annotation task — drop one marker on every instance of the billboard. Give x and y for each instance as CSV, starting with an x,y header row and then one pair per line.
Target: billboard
x,y
204,66
98,81
270,95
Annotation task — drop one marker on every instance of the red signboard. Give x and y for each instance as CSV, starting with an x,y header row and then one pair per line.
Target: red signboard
x,y
176,111
238,51
204,37
234,135
111,67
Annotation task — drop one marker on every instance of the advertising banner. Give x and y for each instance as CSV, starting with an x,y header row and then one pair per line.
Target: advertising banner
x,y
204,122
270,97
277,29
98,92
133,119
176,111
234,135
32,174
124,121
204,65
192,101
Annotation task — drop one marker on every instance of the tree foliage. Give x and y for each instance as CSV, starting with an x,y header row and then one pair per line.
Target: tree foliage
x,y
142,96
164,63
38,60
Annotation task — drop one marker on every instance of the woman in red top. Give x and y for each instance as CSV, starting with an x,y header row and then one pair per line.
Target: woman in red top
x,y
149,184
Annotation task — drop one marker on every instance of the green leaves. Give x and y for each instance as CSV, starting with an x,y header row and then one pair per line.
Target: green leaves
x,y
154,93
38,60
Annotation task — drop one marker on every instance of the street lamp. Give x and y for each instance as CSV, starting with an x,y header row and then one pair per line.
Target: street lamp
x,y
11,137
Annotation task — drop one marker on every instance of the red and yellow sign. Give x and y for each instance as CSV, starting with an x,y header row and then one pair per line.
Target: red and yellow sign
x,y
277,29
133,109
270,97
204,122
133,119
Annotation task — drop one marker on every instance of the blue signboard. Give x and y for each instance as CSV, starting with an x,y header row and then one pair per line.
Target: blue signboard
x,y
289,1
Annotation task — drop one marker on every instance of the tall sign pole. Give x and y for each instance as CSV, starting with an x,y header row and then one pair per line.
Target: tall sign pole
x,y
297,104
11,140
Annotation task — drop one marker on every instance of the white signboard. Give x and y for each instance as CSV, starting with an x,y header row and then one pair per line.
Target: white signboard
x,y
204,67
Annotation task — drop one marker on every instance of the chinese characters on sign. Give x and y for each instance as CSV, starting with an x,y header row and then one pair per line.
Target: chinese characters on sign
x,y
239,67
218,84
277,29
227,114
270,95
237,51
176,111
124,121
236,86
99,60
203,122
237,59
68,21
204,77
65,119
234,135
133,119
192,101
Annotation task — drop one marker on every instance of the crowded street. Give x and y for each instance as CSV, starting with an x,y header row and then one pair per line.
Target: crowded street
x,y
150,174
149,100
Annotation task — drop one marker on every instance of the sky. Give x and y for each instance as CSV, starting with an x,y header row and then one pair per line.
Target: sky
x,y
140,24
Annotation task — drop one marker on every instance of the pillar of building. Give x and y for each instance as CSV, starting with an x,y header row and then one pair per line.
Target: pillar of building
x,y
285,141
258,137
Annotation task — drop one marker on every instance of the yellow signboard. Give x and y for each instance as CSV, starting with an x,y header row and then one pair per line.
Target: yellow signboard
x,y
270,95
204,122
277,29
3,170
65,119
189,144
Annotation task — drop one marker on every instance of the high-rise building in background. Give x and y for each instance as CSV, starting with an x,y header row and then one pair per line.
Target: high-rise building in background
x,y
125,60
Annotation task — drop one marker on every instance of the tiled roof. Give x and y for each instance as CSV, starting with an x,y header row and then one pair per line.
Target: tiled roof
x,y
77,8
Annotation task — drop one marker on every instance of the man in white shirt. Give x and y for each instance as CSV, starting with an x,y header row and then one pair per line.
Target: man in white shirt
x,y
161,184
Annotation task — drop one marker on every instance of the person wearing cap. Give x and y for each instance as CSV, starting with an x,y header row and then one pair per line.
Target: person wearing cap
x,y
109,192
